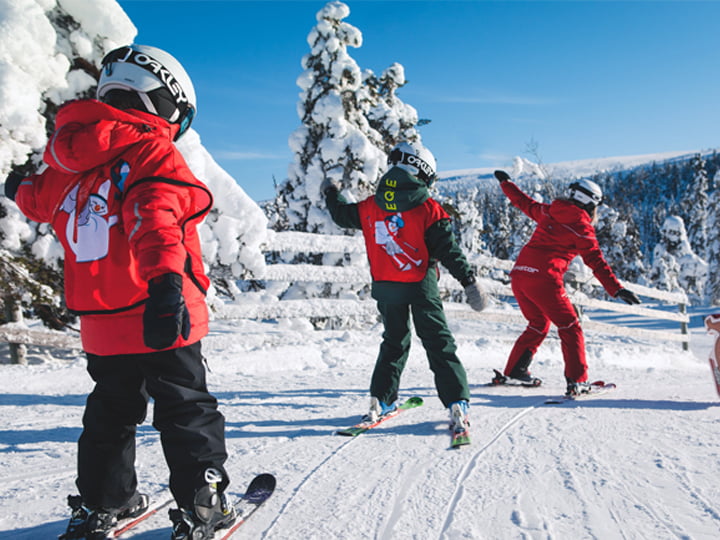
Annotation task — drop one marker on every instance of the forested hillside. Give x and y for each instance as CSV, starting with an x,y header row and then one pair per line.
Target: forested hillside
x,y
633,227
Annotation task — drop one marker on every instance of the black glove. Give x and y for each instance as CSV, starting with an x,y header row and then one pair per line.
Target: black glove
x,y
12,183
166,316
502,176
627,296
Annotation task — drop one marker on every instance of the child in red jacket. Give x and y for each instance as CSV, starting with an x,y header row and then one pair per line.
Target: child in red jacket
x,y
565,229
407,233
126,207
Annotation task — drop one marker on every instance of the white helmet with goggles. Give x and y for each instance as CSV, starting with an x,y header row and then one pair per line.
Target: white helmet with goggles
x,y
148,79
585,193
415,159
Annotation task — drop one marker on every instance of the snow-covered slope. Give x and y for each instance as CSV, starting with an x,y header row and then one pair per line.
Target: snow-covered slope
x,y
641,462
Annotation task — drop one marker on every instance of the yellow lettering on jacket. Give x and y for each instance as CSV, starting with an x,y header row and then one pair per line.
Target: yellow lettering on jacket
x,y
389,195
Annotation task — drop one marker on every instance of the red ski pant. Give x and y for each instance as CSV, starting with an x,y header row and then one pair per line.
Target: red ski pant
x,y
543,301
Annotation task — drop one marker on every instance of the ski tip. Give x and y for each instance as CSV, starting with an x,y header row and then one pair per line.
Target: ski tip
x,y
465,441
264,482
414,401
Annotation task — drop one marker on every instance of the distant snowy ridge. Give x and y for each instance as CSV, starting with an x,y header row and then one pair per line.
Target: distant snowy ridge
x,y
575,168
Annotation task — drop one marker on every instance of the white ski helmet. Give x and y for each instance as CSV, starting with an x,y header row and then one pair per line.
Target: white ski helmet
x,y
585,193
140,76
415,159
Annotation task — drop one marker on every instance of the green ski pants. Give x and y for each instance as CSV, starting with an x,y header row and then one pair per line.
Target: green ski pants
x,y
431,327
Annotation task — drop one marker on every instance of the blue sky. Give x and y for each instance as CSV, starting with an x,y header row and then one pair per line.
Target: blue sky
x,y
569,79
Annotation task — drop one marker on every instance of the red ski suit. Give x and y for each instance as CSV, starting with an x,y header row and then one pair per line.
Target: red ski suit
x,y
125,207
563,232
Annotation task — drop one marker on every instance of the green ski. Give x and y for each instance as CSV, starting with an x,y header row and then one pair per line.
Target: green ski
x,y
364,426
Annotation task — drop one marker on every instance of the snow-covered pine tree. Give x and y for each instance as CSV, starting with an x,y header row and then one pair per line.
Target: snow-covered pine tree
x,y
334,141
469,221
497,210
50,57
664,271
387,114
694,205
47,57
620,243
713,241
675,264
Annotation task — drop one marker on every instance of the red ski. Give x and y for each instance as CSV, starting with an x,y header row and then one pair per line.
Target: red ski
x,y
712,323
362,427
132,523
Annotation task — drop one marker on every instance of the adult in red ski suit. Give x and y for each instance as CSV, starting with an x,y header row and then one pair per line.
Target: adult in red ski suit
x,y
564,230
126,207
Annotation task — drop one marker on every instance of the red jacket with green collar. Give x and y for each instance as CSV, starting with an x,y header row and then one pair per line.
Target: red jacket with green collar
x,y
125,207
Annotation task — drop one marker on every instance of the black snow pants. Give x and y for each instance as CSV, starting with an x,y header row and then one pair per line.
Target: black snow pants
x,y
192,429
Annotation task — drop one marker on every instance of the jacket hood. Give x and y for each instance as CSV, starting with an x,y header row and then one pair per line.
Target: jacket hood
x,y
89,133
564,211
400,191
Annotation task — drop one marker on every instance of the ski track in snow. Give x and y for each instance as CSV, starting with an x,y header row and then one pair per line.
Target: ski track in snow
x,y
291,499
469,468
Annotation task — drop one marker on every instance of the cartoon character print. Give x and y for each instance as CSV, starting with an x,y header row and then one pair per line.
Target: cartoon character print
x,y
88,233
387,234
119,173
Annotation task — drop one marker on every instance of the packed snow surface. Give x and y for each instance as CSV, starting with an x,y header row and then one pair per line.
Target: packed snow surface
x,y
642,461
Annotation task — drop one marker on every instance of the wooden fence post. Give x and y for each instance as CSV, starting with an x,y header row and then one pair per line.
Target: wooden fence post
x,y
682,308
13,313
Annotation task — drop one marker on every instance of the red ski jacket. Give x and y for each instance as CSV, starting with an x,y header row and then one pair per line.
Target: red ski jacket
x,y
395,242
563,232
125,207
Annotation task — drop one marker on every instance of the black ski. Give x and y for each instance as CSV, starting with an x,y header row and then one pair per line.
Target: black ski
x,y
258,491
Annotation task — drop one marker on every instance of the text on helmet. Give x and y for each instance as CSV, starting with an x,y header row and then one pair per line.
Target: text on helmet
x,y
422,165
161,72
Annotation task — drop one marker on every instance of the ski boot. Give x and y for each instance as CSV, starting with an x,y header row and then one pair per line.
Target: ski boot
x,y
523,377
377,410
459,421
211,511
96,523
574,389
